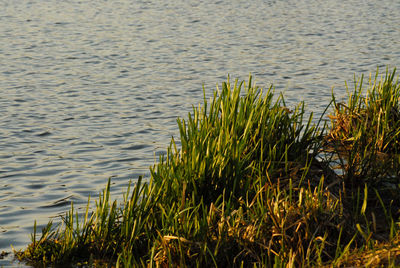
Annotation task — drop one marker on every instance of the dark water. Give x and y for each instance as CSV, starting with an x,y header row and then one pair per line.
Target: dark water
x,y
91,89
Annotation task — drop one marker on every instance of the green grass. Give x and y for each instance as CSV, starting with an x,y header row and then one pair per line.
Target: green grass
x,y
253,183
366,129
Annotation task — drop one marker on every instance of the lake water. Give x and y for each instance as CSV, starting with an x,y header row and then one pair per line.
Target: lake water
x,y
91,89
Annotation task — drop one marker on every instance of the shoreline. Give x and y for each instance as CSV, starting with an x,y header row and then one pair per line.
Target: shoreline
x,y
249,186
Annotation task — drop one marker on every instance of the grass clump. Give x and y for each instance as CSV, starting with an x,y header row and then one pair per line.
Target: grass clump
x,y
365,130
250,182
235,145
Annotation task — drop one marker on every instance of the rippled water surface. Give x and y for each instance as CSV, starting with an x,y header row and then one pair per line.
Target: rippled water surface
x,y
91,89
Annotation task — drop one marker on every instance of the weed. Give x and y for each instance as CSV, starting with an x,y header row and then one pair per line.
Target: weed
x,y
252,184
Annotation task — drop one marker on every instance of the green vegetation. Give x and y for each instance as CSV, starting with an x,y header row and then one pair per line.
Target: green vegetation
x,y
253,183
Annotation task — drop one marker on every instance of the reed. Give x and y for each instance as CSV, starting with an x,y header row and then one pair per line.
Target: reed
x,y
249,182
365,130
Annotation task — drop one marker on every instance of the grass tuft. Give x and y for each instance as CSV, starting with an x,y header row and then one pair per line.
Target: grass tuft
x,y
253,183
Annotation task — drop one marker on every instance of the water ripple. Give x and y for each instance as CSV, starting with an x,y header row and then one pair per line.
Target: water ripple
x,y
90,90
